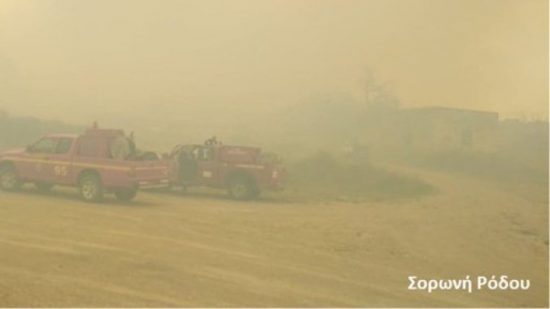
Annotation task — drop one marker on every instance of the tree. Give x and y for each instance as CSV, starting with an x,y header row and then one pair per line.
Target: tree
x,y
378,95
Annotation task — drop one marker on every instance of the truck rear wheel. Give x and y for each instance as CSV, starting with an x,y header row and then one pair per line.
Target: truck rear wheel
x,y
9,181
91,189
242,188
125,194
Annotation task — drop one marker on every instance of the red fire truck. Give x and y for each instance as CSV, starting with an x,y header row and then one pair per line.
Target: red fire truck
x,y
97,162
242,170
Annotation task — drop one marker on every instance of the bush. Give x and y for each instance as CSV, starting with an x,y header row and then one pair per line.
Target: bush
x,y
322,176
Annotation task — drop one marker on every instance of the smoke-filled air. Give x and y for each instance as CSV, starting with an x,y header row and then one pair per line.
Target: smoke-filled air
x,y
275,153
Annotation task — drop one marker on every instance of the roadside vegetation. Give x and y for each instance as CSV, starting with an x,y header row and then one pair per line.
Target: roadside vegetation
x,y
323,176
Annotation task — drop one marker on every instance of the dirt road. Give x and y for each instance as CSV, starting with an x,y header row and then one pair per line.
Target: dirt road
x,y
168,250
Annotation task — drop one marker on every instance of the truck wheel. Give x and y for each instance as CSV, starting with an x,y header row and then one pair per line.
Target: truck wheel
x,y
126,194
241,188
43,186
9,181
91,189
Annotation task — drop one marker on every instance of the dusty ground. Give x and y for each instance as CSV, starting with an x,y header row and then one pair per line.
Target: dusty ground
x,y
168,250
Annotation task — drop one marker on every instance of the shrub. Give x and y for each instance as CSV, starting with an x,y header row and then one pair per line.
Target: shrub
x,y
323,176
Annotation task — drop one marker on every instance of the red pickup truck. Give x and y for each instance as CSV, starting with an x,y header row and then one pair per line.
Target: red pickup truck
x,y
97,162
243,171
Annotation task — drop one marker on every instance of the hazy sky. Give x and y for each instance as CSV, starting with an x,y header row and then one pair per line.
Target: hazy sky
x,y
73,60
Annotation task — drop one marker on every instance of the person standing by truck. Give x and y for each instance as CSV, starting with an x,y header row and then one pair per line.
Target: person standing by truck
x,y
188,167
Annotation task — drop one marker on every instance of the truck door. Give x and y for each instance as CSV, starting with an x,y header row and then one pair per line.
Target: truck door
x,y
33,165
59,166
208,167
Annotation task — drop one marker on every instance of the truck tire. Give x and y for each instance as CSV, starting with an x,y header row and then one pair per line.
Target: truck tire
x,y
91,189
126,195
43,186
242,188
9,181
